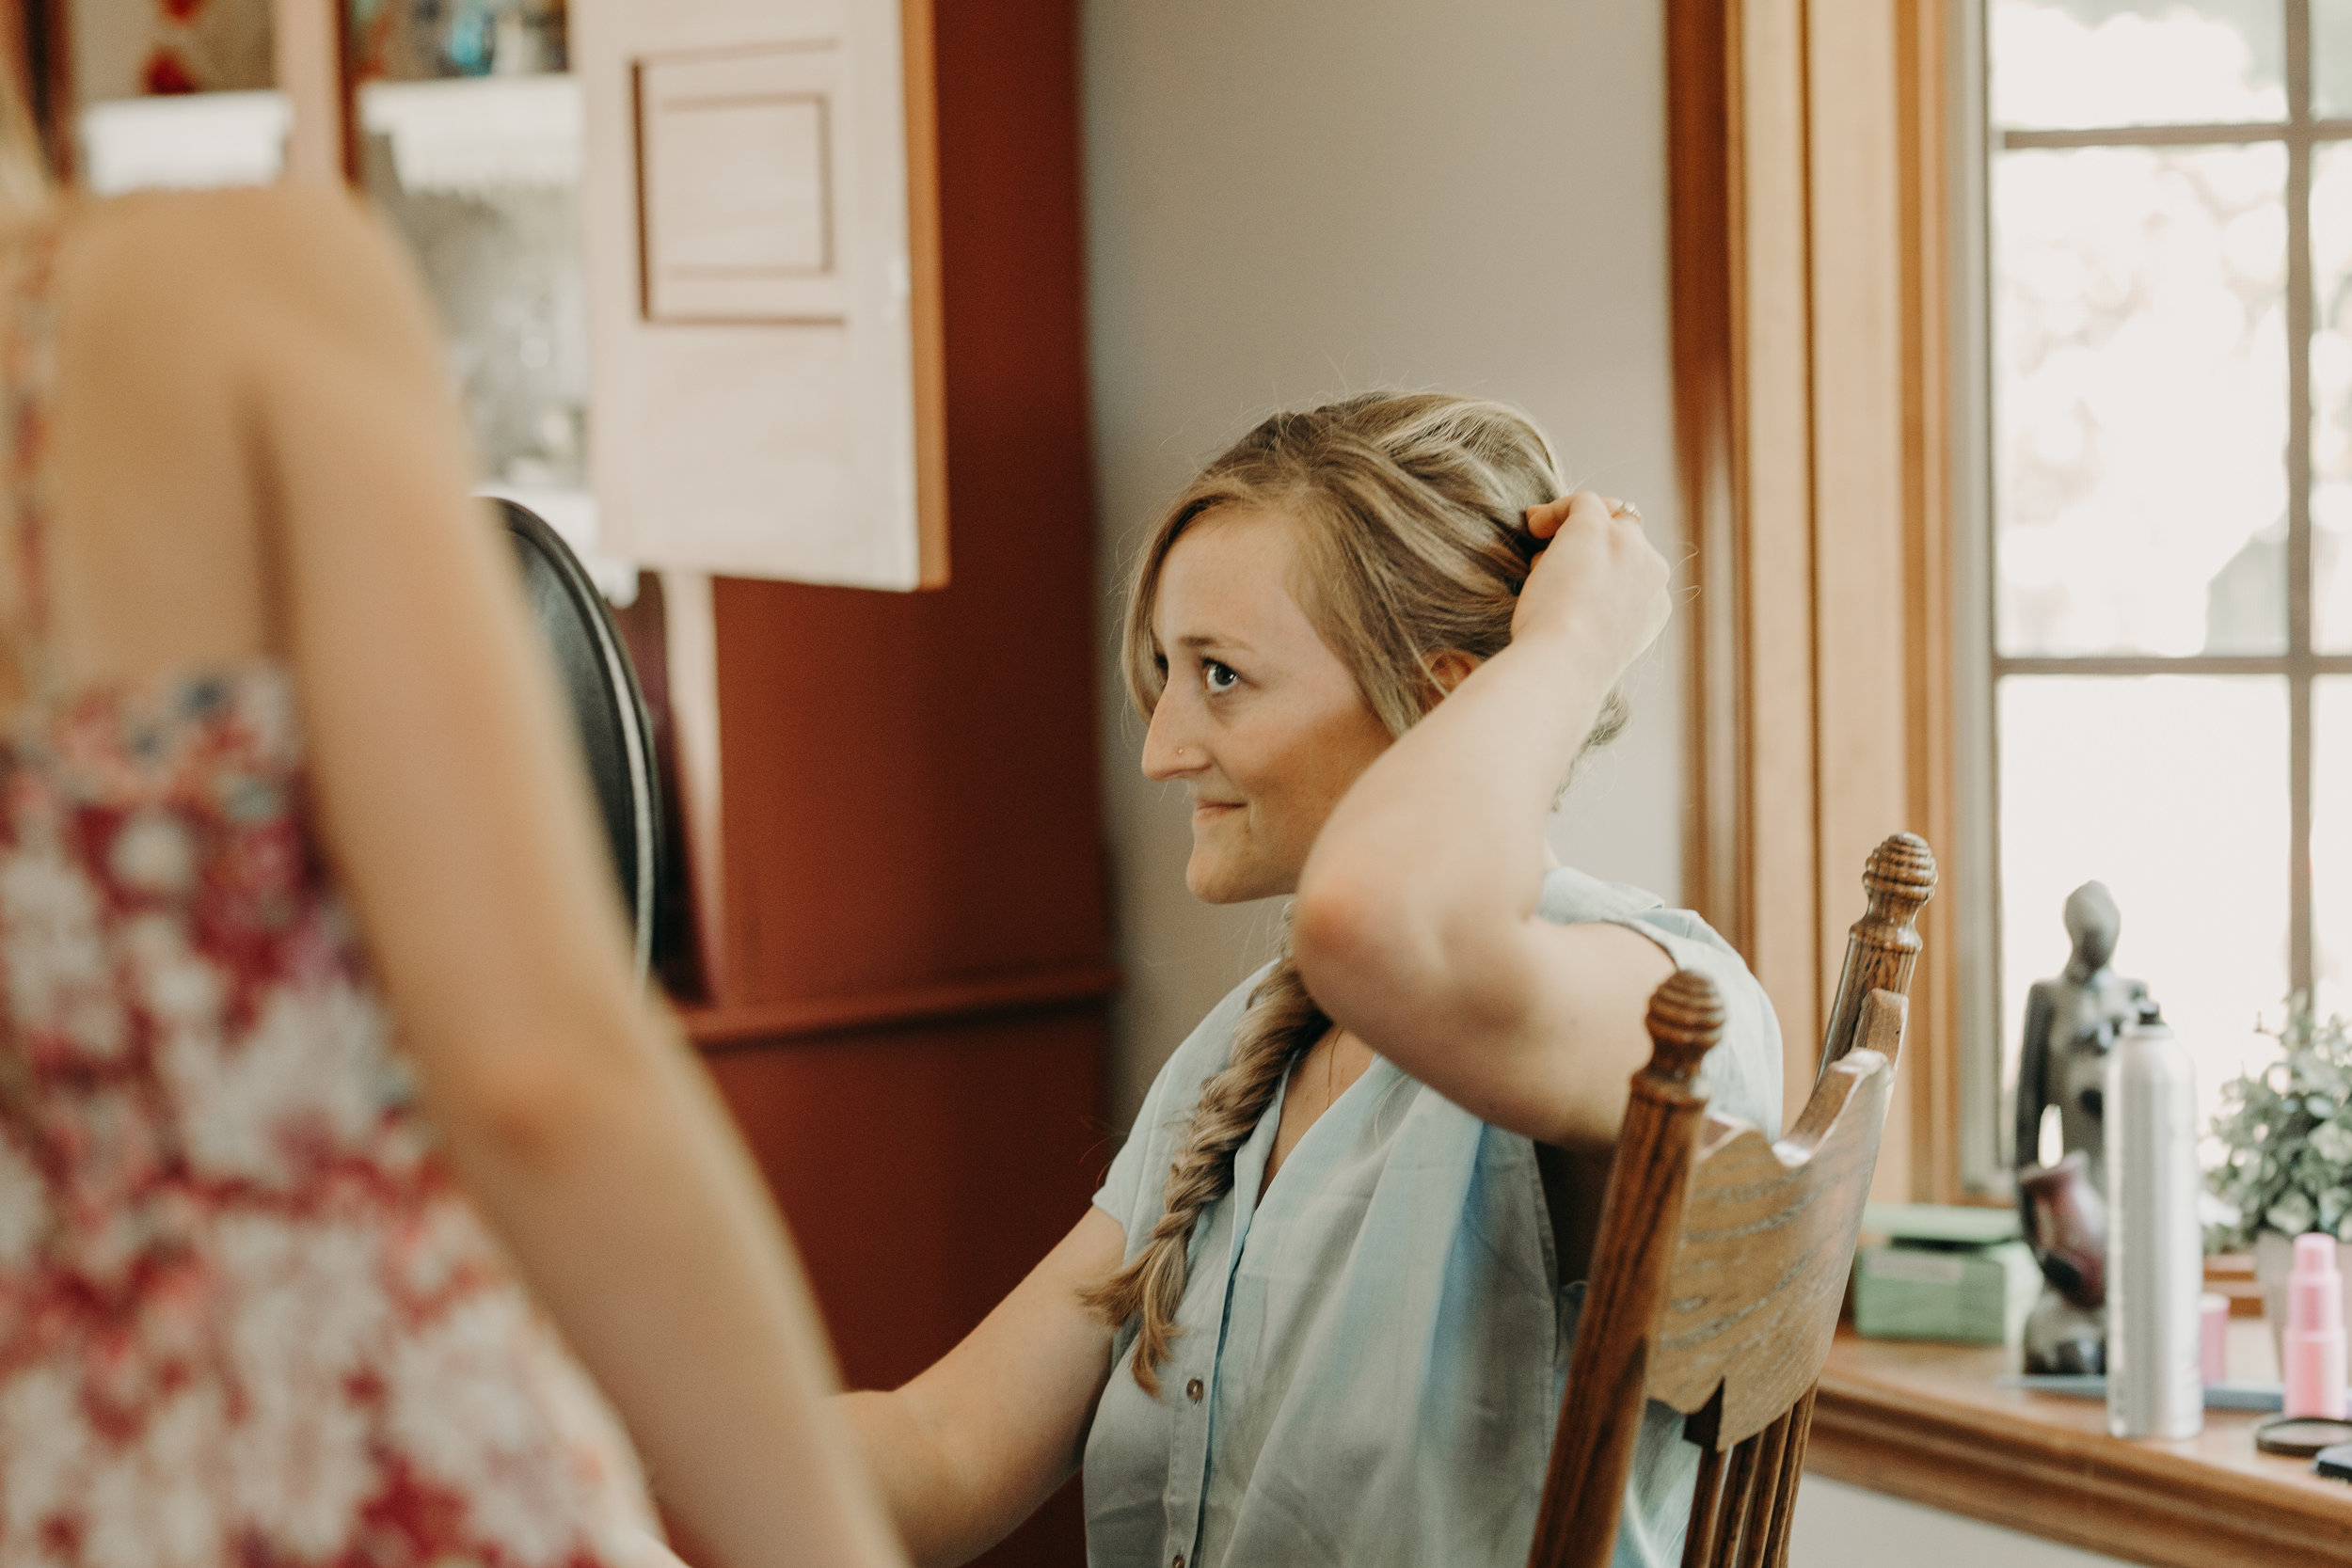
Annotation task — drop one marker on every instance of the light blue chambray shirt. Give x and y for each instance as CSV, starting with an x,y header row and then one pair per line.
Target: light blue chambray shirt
x,y
1373,1353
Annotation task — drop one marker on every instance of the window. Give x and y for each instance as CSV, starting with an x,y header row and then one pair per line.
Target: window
x,y
2168,261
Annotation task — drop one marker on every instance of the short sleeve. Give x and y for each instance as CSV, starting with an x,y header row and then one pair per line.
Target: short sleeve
x,y
1742,1074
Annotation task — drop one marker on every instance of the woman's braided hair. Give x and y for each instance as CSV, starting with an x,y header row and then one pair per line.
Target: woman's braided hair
x,y
1411,544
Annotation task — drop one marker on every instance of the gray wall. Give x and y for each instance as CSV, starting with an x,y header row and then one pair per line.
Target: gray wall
x,y
1292,199
1844,1527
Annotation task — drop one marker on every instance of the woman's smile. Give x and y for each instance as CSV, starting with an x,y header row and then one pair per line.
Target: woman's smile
x,y
1253,703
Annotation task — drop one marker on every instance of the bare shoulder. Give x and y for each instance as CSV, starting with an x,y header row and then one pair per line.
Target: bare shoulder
x,y
254,259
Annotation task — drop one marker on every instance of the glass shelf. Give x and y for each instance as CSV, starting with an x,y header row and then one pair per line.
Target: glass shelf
x,y
191,141
464,134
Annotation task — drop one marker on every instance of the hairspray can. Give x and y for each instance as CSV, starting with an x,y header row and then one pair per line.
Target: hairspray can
x,y
2155,1256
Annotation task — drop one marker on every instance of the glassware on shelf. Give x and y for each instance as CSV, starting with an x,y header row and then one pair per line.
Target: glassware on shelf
x,y
406,40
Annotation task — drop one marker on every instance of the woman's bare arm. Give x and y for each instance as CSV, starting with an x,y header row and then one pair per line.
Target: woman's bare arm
x,y
1416,925
970,1449
452,803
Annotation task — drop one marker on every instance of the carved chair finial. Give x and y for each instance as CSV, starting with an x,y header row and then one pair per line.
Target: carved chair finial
x,y
1686,1019
1902,869
1884,945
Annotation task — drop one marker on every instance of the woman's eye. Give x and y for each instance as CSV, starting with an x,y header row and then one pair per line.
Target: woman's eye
x,y
1219,677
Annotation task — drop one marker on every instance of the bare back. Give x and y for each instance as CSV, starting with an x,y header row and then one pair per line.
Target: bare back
x,y
156,540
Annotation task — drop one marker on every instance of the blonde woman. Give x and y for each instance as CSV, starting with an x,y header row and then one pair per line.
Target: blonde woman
x,y
319,1045
1320,1311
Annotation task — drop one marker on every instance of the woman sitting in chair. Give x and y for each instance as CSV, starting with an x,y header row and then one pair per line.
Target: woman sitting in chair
x,y
1321,1311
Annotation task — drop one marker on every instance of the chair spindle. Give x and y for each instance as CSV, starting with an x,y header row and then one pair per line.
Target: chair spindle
x,y
1738,1497
1792,1468
1706,1510
1772,1447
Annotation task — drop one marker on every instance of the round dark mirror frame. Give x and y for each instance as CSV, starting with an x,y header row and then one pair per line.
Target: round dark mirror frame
x,y
607,710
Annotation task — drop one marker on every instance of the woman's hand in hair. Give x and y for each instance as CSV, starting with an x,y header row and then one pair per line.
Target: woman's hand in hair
x,y
1599,584
1417,924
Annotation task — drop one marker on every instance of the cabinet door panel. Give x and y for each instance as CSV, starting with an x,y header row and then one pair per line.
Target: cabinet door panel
x,y
761,282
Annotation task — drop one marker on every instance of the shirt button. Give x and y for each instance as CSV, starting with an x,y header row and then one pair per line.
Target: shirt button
x,y
1178,1562
1193,1392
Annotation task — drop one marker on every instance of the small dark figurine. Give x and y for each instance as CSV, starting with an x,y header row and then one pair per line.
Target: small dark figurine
x,y
2070,1023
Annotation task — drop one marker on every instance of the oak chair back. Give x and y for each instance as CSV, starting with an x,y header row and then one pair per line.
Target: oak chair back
x,y
1722,1256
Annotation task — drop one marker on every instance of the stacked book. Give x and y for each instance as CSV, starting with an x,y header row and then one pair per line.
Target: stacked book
x,y
1936,1272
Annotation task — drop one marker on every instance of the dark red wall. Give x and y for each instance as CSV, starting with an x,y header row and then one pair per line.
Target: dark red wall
x,y
912,818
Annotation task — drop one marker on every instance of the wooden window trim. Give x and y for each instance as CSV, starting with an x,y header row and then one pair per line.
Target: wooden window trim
x,y
1809,150
1829,440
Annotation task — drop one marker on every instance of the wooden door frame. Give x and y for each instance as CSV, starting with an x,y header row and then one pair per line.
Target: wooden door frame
x,y
1810,151
311,42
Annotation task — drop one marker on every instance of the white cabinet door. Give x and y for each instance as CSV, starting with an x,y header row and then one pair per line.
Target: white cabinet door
x,y
763,287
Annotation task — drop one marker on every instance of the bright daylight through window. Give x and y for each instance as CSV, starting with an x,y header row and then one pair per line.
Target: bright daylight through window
x,y
2171,258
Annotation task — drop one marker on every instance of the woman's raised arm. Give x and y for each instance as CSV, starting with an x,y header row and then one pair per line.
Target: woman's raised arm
x,y
1415,923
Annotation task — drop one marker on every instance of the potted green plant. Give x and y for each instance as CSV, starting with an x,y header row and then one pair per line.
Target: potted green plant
x,y
2286,1130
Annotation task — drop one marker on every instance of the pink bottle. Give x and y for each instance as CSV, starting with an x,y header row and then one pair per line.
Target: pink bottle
x,y
2314,1337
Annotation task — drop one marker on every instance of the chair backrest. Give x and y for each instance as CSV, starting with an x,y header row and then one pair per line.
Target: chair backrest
x,y
1722,1256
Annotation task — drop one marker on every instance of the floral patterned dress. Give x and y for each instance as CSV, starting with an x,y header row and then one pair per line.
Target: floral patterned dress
x,y
246,1315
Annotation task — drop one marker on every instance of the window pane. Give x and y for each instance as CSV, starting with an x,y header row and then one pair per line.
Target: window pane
x,y
2331,842
2332,59
2331,398
2172,790
2140,392
2073,63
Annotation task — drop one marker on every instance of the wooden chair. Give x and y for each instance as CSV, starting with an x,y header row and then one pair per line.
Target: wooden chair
x,y
1722,1257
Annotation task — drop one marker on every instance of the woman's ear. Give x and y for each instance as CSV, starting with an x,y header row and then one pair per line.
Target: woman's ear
x,y
1448,668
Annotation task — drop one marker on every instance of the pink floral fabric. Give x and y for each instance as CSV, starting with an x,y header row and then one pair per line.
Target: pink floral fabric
x,y
246,1316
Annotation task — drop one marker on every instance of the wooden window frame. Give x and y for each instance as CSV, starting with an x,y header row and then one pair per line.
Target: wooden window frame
x,y
1827,164
1813,252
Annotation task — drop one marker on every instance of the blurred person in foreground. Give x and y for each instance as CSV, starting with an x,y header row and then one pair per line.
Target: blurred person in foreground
x,y
321,1044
